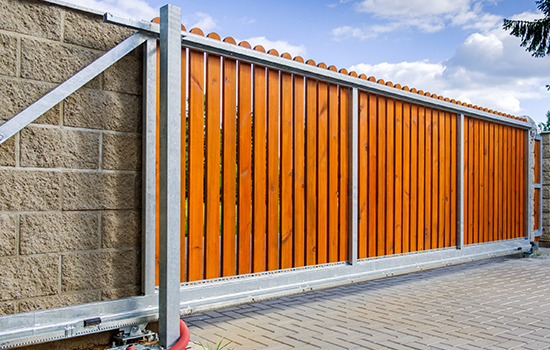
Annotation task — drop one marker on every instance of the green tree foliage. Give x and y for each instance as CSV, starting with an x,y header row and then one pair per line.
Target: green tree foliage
x,y
535,35
545,126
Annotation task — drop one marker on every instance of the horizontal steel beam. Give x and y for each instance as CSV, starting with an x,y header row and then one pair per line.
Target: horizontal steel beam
x,y
63,90
37,326
205,44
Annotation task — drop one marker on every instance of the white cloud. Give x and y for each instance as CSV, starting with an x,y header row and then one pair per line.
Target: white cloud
x,y
203,21
136,9
426,15
280,45
489,70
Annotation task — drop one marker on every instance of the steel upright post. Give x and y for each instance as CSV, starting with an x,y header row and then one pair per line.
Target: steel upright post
x,y
170,170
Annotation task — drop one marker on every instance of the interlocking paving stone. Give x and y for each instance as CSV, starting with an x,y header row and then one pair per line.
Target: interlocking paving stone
x,y
501,303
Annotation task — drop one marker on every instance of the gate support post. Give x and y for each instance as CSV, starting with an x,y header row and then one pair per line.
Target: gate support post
x,y
354,144
460,185
169,177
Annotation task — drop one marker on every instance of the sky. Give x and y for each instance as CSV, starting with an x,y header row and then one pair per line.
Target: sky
x,y
454,48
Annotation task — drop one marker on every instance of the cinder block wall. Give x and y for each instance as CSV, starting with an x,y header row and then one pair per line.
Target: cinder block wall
x,y
70,187
545,239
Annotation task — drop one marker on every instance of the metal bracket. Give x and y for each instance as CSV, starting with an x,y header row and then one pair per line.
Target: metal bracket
x,y
129,333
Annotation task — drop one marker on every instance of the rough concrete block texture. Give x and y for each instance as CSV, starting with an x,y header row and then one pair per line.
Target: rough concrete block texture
x,y
90,31
8,234
100,269
8,55
93,191
59,148
7,152
36,18
53,62
19,94
7,308
118,293
121,228
58,232
103,110
22,190
61,300
27,277
126,75
121,152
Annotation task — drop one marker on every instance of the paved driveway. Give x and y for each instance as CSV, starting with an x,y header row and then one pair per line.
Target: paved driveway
x,y
501,303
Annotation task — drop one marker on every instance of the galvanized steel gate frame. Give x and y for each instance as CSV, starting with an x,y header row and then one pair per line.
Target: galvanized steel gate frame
x,y
173,298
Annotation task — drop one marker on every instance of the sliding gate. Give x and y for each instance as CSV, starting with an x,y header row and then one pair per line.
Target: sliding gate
x,y
289,176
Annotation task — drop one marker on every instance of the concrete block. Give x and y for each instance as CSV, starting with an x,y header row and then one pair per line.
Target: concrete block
x,y
546,206
54,62
545,138
89,30
7,308
36,18
91,191
545,152
7,152
119,293
126,75
100,269
61,300
121,228
8,55
58,232
19,94
545,192
8,235
121,152
59,148
103,110
22,190
27,277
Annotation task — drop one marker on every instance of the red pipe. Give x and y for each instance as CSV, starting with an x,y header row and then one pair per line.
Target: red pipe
x,y
184,337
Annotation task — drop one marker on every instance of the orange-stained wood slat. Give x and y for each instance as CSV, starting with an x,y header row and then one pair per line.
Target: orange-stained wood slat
x,y
322,172
363,184
229,184
299,172
398,178
286,171
333,174
390,149
195,266
344,173
273,170
372,210
311,172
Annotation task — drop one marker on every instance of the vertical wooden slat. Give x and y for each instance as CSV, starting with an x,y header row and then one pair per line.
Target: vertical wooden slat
x,y
398,214
381,234
466,175
500,192
299,172
229,165
477,176
514,181
311,172
406,177
333,173
322,174
286,170
510,173
414,180
428,181
212,209
372,211
486,220
441,176
195,266
183,206
491,204
471,174
390,149
496,173
506,183
422,157
272,170
447,178
244,222
259,188
363,184
344,171
521,168
454,178
435,180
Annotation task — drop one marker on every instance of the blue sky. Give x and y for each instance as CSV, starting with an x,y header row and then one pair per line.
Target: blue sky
x,y
455,48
